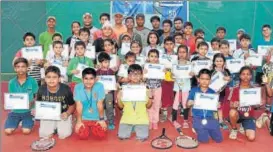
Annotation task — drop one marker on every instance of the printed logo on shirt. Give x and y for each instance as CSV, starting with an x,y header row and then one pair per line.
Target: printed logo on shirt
x,y
244,109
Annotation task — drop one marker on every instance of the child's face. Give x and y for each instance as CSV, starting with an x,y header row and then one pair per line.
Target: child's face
x,y
188,30
135,77
105,64
76,28
182,53
58,48
219,62
84,37
126,39
108,47
130,60
80,50
204,80
221,34
107,31
135,48
266,32
20,68
166,28
224,49
29,41
153,58
197,42
169,46
103,19
178,40
203,50
57,38
245,76
52,79
200,35
152,39
245,43
215,45
88,80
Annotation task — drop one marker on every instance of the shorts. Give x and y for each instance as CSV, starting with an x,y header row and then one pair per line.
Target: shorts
x,y
14,119
125,131
248,124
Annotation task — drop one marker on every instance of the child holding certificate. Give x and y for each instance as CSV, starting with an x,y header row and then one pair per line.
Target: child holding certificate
x,y
182,87
104,70
136,48
55,92
244,52
244,115
109,48
134,112
124,41
34,65
204,122
89,96
130,58
84,36
22,83
155,87
219,62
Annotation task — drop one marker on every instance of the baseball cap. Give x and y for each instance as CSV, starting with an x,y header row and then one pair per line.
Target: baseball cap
x,y
140,15
51,17
87,14
118,13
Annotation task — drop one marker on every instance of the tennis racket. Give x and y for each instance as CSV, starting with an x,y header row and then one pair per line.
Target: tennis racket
x,y
162,142
185,142
43,144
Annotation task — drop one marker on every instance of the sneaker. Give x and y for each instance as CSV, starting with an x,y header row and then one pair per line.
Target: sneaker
x,y
111,127
186,124
233,134
223,126
163,116
155,126
242,130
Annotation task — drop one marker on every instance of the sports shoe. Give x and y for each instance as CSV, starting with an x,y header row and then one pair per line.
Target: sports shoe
x,y
185,124
233,134
223,126
111,127
242,130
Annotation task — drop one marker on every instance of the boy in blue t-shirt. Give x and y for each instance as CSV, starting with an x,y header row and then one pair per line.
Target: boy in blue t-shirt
x,y
204,122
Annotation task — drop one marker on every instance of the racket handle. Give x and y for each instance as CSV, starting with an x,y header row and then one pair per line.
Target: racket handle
x,y
163,131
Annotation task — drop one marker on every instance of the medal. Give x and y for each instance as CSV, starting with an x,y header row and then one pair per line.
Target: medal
x,y
204,121
246,114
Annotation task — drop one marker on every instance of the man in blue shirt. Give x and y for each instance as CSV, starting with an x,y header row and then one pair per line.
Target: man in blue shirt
x,y
89,96
204,122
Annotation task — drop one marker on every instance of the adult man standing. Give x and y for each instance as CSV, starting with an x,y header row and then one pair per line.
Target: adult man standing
x,y
178,25
155,21
88,23
119,28
140,29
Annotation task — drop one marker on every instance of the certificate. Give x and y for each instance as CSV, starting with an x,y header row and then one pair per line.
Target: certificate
x,y
232,44
154,71
168,60
264,49
254,60
113,61
182,71
206,101
140,60
137,93
35,52
123,70
217,82
80,67
90,52
211,54
15,101
125,48
47,110
62,68
108,81
65,52
234,65
250,97
201,64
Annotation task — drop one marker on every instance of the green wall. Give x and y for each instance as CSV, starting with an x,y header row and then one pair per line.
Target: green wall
x,y
20,17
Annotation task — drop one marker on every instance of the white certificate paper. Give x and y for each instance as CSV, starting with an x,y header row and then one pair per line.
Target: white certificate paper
x,y
234,65
250,97
62,68
182,71
201,64
90,52
123,70
232,44
140,60
125,48
168,60
206,101
211,54
15,101
264,49
47,110
80,67
35,52
65,52
137,93
217,81
154,71
108,81
254,60
113,61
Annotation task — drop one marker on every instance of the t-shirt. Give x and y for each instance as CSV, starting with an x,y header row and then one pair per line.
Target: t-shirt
x,y
105,72
190,42
144,35
199,112
119,31
30,87
45,39
234,96
89,100
63,95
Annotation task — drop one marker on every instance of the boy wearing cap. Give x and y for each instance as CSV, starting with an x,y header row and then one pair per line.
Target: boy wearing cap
x,y
141,30
119,28
88,23
155,21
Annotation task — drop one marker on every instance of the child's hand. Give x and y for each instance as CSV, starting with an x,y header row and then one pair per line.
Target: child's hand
x,y
47,64
234,104
39,61
29,62
102,124
190,103
64,115
265,79
75,71
65,63
227,78
78,126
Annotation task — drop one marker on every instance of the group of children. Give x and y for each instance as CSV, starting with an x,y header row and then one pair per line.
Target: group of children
x,y
90,102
